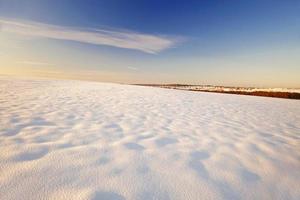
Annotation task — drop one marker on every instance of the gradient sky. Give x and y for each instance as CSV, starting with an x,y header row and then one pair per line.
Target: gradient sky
x,y
232,43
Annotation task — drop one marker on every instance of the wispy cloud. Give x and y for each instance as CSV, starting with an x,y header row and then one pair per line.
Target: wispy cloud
x,y
123,39
133,68
34,63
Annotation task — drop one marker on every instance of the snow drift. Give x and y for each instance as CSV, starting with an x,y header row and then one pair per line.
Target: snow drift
x,y
86,140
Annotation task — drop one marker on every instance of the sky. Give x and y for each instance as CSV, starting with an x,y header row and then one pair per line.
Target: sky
x,y
232,43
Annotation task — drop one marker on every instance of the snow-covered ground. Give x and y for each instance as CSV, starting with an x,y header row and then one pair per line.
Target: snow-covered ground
x,y
87,140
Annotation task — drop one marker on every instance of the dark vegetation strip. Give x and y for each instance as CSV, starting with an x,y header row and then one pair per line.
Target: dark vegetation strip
x,y
286,95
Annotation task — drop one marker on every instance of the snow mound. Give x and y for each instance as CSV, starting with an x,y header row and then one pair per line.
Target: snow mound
x,y
86,140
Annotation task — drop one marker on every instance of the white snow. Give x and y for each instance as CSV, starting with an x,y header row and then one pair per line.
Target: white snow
x,y
88,140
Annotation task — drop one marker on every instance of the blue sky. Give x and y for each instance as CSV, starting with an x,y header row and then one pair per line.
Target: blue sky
x,y
245,43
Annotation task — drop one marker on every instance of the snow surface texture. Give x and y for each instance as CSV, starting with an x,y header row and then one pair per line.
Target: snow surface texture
x,y
85,140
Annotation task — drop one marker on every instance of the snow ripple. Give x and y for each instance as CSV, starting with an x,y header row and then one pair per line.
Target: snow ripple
x,y
86,140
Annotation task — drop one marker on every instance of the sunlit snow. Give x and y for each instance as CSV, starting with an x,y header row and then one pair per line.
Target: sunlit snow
x,y
88,140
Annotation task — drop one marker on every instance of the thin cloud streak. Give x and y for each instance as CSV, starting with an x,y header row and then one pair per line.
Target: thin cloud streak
x,y
129,40
34,63
133,68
